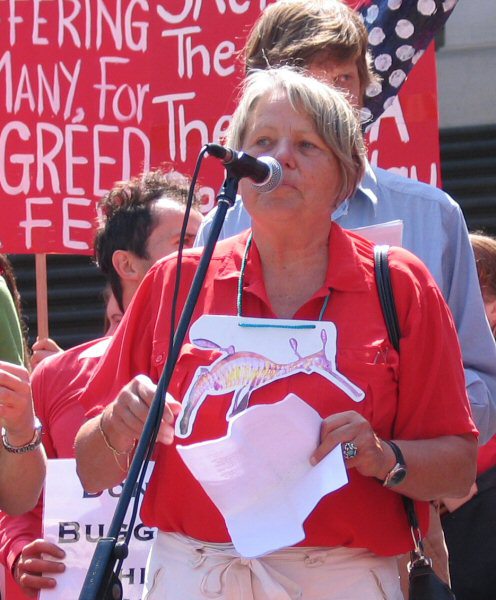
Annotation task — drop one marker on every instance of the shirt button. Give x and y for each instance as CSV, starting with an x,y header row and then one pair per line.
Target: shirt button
x,y
159,358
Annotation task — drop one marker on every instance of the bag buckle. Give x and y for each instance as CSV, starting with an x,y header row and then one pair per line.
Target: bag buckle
x,y
417,556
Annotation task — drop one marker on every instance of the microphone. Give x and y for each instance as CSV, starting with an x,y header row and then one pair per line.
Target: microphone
x,y
265,172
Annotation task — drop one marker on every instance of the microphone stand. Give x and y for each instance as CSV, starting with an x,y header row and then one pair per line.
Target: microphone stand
x,y
102,579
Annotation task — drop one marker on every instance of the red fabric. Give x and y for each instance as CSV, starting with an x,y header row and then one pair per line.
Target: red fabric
x,y
429,401
56,383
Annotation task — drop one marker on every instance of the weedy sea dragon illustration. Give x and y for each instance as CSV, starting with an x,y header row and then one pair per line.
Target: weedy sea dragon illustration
x,y
244,372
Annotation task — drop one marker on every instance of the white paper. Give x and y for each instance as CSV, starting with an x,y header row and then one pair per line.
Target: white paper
x,y
390,233
74,520
259,475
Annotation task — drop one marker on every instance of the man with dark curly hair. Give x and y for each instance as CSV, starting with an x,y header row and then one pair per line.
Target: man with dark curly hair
x,y
140,222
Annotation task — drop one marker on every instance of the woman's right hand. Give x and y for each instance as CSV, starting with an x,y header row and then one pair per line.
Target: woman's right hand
x,y
104,443
123,420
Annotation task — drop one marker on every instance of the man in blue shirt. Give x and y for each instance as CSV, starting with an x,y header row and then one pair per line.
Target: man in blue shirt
x,y
433,225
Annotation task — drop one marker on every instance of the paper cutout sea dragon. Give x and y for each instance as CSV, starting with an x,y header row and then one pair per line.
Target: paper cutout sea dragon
x,y
244,372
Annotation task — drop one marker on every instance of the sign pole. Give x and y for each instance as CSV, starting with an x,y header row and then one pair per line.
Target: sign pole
x,y
41,296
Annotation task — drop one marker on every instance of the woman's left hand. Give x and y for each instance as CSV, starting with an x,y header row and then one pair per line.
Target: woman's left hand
x,y
374,458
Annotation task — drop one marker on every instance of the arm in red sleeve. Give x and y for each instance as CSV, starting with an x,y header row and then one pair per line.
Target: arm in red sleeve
x,y
16,532
122,388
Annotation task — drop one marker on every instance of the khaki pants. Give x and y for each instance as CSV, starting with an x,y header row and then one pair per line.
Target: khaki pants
x,y
180,568
435,548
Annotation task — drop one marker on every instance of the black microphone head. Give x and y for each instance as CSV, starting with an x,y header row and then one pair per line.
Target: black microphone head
x,y
217,150
273,179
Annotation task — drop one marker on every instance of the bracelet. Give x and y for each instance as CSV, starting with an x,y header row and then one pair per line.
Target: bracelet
x,y
116,453
32,445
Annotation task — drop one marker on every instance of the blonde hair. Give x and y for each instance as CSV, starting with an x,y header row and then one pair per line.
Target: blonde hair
x,y
335,120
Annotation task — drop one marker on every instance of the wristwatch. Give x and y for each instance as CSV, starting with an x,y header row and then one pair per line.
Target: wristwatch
x,y
32,445
399,471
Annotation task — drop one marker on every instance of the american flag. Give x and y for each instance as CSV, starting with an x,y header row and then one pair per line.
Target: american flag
x,y
399,33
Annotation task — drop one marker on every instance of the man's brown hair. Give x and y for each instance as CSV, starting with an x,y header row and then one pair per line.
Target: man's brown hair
x,y
299,32
128,217
485,257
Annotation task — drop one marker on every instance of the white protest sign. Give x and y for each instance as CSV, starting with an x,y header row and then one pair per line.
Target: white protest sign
x,y
75,520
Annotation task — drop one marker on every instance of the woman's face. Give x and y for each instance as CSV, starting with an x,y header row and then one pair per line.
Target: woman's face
x,y
311,177
114,315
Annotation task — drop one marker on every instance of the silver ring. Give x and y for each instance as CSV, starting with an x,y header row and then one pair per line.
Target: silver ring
x,y
350,450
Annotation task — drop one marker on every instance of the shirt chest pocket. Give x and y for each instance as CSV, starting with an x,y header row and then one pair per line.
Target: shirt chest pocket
x,y
189,360
374,369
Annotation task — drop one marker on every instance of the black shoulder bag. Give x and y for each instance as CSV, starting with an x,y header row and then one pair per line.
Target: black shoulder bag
x,y
424,583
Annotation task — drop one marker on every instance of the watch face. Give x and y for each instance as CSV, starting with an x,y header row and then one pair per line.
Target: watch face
x,y
396,475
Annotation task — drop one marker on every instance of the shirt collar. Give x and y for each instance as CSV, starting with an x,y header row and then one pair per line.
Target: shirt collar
x,y
231,252
369,186
345,272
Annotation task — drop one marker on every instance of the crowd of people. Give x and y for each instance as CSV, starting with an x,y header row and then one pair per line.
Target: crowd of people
x,y
416,422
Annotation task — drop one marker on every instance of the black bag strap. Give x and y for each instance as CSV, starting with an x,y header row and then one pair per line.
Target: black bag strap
x,y
386,296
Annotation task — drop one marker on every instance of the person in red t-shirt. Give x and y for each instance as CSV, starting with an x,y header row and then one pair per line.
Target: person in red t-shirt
x,y
403,420
46,347
141,223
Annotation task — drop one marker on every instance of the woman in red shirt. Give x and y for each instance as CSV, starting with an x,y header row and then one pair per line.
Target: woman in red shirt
x,y
404,424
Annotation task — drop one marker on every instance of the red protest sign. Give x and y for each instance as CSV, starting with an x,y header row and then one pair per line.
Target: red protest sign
x,y
94,92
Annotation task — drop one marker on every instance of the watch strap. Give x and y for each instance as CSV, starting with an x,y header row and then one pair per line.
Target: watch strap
x,y
398,471
397,452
